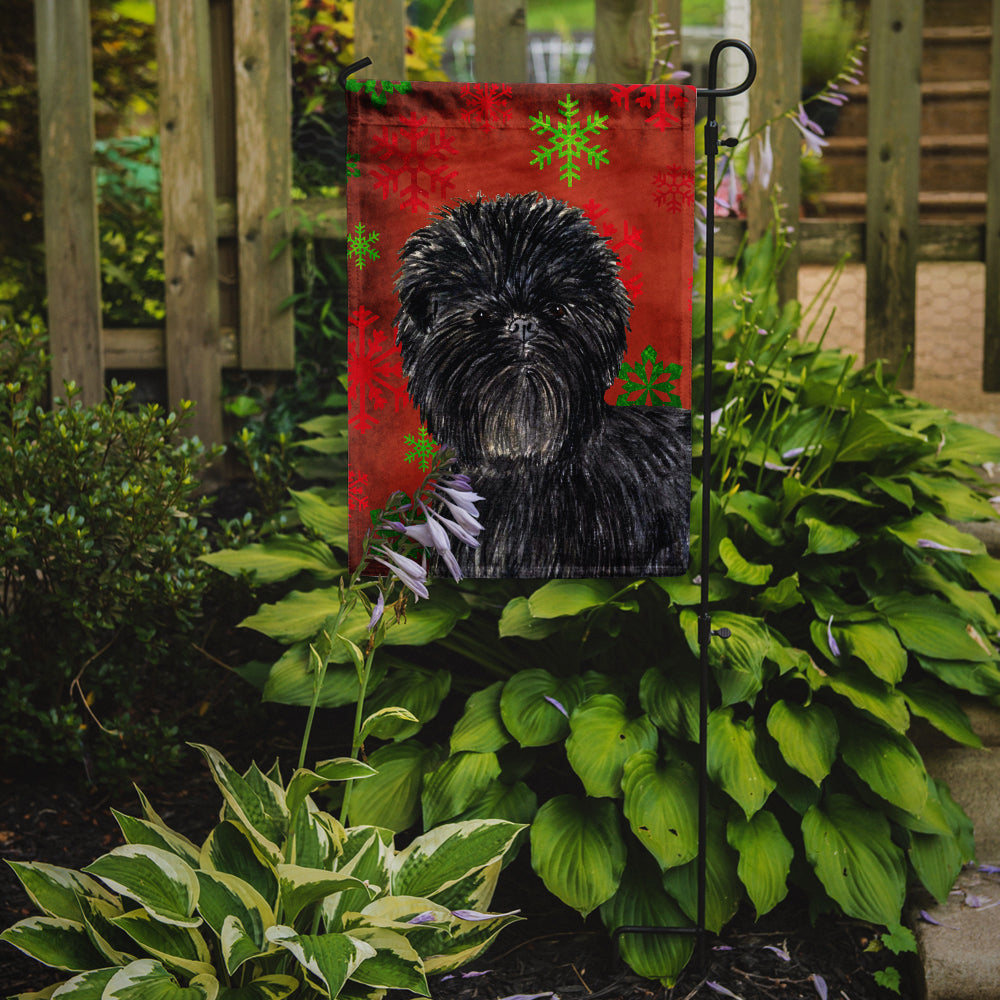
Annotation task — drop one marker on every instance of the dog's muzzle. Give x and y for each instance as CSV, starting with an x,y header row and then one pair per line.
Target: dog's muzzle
x,y
522,327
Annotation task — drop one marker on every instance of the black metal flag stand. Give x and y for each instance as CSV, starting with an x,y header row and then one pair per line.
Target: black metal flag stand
x,y
705,631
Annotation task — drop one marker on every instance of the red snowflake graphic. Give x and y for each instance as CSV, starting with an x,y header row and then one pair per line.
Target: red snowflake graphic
x,y
374,371
407,155
650,94
630,238
673,188
357,491
486,103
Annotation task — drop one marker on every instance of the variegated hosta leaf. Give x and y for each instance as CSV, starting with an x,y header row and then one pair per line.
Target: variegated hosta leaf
x,y
147,979
765,858
141,831
578,851
395,964
177,947
476,890
116,946
367,853
329,959
300,887
256,801
230,849
661,799
602,737
457,784
273,987
441,857
225,897
850,847
315,838
54,941
642,902
481,727
466,941
158,880
807,736
304,782
86,986
56,891
732,760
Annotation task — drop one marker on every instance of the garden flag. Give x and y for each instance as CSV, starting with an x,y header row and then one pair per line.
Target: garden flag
x,y
520,274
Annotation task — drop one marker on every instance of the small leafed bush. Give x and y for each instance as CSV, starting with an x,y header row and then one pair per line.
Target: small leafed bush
x,y
99,572
280,899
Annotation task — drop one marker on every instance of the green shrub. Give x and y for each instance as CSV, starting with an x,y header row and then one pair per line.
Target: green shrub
x,y
99,541
280,899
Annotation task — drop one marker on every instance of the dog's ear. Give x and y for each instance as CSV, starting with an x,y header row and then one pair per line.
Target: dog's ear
x,y
421,306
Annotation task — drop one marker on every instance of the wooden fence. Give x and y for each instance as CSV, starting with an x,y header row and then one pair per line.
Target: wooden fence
x,y
226,161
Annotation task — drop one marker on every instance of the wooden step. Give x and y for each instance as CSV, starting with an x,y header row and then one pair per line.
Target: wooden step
x,y
940,13
957,206
947,162
944,104
956,53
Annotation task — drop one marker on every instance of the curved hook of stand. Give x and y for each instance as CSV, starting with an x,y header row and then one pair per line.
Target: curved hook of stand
x,y
713,69
349,70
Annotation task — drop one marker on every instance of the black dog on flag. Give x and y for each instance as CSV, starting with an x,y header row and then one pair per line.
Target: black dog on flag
x,y
512,325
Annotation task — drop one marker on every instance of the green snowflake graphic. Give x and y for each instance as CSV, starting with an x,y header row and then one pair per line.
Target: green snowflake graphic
x,y
378,91
361,245
423,448
569,140
649,388
353,166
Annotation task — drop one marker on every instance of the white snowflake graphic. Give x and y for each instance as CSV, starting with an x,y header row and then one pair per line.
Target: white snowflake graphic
x,y
412,163
569,140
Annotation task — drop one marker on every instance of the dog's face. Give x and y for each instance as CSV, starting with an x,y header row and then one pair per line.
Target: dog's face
x,y
512,325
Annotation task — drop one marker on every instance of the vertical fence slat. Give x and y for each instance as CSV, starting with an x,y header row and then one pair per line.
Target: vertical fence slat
x,y
501,41
380,34
621,40
892,215
261,57
776,35
72,257
190,254
991,332
669,11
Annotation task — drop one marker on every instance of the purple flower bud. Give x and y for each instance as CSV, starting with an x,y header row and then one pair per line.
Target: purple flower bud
x,y
558,705
820,983
427,917
410,572
834,648
377,611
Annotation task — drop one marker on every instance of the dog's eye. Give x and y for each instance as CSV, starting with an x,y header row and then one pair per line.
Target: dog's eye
x,y
558,310
480,317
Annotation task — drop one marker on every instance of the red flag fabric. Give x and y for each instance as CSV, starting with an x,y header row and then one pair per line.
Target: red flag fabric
x,y
520,266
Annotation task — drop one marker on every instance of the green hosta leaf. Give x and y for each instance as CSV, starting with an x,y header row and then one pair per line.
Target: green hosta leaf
x,y
941,709
671,699
558,598
261,809
807,736
758,511
275,987
141,831
928,528
147,979
661,799
517,620
56,891
386,723
976,678
301,887
226,898
441,857
897,490
304,782
395,964
865,692
159,881
481,728
602,738
180,948
765,858
456,784
850,847
641,901
932,628
958,502
391,798
783,595
732,760
827,539
325,519
986,571
528,714
292,680
279,558
888,763
965,443
515,803
54,941
937,859
330,959
876,646
752,574
418,690
738,661
975,605
870,436
578,851
723,889
684,592
230,849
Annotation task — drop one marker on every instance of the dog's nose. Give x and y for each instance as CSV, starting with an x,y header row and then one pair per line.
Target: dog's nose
x,y
523,327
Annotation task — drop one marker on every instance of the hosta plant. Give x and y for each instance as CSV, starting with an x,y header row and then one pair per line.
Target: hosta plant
x,y
279,900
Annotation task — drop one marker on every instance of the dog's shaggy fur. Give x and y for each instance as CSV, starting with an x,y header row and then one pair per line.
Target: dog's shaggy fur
x,y
512,326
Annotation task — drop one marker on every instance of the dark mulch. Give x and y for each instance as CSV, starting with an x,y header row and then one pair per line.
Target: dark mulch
x,y
551,951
